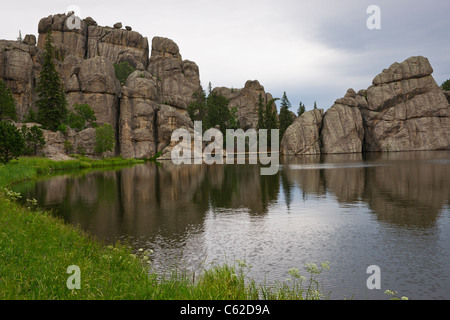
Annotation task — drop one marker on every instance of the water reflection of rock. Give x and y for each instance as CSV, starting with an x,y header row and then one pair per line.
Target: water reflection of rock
x,y
408,189
409,193
158,199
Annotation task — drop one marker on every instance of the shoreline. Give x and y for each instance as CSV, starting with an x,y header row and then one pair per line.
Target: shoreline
x,y
38,270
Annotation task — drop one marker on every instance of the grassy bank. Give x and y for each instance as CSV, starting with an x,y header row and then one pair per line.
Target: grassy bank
x,y
36,249
26,168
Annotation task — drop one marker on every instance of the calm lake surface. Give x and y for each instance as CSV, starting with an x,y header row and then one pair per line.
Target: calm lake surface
x,y
391,210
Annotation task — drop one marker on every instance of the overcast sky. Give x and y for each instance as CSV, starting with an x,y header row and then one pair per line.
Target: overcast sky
x,y
313,50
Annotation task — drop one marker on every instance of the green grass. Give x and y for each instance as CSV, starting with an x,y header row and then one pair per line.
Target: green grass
x,y
36,248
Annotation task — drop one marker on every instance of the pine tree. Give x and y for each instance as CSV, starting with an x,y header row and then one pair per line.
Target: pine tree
x,y
446,85
34,139
261,124
301,109
11,142
7,103
197,108
270,118
285,118
52,104
217,112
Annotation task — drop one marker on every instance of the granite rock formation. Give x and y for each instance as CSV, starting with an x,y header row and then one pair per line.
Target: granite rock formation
x,y
92,81
138,108
247,101
303,136
342,130
17,70
177,79
406,109
88,40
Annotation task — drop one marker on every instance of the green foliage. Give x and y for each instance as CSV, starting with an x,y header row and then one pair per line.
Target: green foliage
x,y
34,139
233,122
104,138
7,103
446,85
301,109
197,108
52,104
261,124
123,70
11,142
267,114
393,295
213,110
285,118
217,112
62,128
82,117
68,147
31,117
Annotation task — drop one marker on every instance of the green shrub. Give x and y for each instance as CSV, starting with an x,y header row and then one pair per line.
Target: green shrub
x,y
123,70
62,128
446,85
68,147
104,138
82,117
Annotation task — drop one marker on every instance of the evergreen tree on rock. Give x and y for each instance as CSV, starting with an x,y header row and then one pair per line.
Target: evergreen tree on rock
x,y
52,104
7,103
285,117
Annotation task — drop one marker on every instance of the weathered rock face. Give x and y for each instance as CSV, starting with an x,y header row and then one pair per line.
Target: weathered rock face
x,y
67,38
58,145
447,95
303,136
118,45
169,119
247,101
177,79
88,40
92,81
406,110
17,71
80,143
138,109
343,130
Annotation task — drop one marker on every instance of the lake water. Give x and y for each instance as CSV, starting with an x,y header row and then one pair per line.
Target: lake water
x,y
391,210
